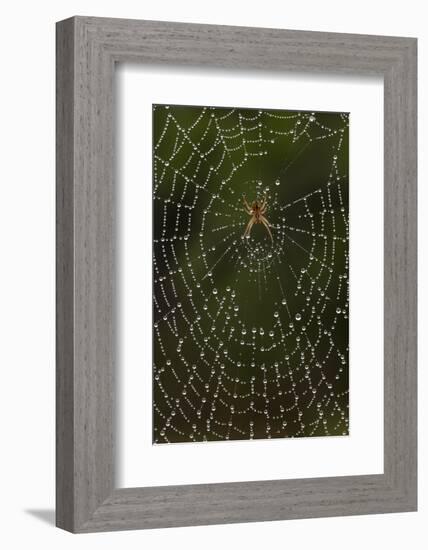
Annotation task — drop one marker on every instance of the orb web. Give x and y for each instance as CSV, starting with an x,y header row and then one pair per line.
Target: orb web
x,y
250,334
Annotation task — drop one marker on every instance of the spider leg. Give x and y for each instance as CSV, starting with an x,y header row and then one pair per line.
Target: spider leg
x,y
248,228
247,206
267,225
264,218
263,208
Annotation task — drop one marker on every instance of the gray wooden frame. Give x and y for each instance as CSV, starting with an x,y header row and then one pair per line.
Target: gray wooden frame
x,y
87,50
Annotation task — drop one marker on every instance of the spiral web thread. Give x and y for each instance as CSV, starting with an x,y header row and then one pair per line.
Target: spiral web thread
x,y
250,336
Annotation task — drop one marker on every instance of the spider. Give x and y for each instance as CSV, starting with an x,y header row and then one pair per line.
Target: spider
x,y
256,211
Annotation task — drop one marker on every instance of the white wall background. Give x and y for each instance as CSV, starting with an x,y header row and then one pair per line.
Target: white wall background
x,y
27,272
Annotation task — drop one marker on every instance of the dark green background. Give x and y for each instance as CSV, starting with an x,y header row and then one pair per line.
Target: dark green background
x,y
199,257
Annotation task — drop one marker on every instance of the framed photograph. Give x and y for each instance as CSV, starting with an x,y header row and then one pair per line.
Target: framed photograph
x,y
236,274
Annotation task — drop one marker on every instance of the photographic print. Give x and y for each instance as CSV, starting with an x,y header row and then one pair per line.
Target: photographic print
x,y
250,274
